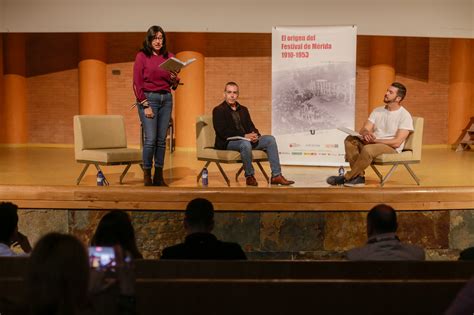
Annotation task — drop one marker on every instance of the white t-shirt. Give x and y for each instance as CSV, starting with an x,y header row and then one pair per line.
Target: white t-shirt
x,y
386,123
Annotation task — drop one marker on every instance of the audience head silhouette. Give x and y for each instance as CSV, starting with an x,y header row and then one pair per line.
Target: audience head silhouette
x,y
199,216
8,222
58,275
381,219
467,254
383,243
115,228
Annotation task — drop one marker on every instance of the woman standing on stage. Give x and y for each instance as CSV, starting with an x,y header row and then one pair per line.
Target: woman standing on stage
x,y
152,86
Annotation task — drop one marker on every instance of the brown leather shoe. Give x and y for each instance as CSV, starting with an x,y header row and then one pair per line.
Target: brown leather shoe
x,y
280,180
251,181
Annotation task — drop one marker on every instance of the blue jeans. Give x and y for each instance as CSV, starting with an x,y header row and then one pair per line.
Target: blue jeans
x,y
155,129
266,143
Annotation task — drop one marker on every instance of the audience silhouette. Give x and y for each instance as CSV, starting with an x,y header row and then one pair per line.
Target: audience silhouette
x,y
115,228
59,280
200,243
9,234
383,242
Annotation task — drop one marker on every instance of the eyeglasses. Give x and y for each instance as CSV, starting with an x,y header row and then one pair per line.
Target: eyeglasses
x,y
158,38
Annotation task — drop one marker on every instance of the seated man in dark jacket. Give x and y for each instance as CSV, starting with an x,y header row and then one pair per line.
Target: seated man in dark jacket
x,y
231,119
383,243
200,243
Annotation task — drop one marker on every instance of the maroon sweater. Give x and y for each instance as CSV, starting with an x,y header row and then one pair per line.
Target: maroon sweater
x,y
148,76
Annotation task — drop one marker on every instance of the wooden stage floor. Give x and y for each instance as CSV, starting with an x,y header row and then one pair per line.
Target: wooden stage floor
x,y
39,177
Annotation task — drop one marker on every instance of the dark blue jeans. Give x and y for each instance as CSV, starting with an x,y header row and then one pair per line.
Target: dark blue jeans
x,y
156,128
266,143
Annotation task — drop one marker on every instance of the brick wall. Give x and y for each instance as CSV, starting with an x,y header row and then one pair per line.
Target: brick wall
x,y
120,97
422,64
53,99
429,98
253,74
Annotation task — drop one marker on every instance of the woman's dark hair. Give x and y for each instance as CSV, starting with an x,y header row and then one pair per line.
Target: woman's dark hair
x,y
58,276
115,228
147,49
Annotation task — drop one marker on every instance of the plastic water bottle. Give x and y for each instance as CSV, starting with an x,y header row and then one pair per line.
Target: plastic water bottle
x,y
100,178
341,171
205,177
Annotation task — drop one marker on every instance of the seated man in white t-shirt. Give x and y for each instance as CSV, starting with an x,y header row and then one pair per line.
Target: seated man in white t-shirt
x,y
384,132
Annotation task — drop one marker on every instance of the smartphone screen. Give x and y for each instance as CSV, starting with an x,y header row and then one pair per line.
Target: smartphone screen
x,y
102,258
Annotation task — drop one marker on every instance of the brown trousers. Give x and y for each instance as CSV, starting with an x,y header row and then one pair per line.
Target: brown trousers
x,y
360,155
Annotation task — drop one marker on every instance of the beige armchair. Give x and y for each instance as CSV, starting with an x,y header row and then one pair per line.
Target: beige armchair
x,y
205,137
411,154
101,140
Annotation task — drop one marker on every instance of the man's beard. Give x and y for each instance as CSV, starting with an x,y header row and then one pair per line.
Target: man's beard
x,y
387,101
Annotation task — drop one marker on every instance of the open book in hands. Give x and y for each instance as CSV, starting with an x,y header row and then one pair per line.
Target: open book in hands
x,y
238,138
174,64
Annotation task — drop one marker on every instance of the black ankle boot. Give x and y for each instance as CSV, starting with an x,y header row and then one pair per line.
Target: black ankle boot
x,y
147,177
158,179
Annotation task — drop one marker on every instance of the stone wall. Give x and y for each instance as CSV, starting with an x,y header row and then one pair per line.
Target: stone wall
x,y
271,235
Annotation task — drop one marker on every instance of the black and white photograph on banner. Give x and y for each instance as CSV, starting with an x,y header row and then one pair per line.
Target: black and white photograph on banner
x,y
316,98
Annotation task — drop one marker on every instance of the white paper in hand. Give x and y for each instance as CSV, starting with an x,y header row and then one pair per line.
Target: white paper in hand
x,y
237,138
350,132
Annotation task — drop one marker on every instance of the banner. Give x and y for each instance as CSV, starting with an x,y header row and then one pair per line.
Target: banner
x,y
313,92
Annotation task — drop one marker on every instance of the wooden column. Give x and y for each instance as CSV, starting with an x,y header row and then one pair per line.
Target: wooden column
x,y
93,74
2,111
15,110
472,77
460,84
382,68
189,100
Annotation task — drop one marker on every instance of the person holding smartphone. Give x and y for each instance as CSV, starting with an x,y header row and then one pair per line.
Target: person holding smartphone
x,y
9,234
152,86
115,228
59,280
